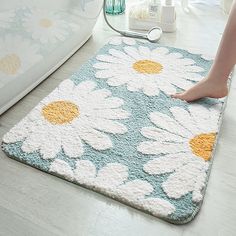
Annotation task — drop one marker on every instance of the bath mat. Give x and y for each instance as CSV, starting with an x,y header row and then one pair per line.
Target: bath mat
x,y
112,127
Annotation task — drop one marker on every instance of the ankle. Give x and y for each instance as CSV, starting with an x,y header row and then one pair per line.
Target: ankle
x,y
217,80
219,76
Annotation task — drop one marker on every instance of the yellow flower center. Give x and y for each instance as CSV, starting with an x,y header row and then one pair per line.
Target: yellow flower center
x,y
148,67
202,145
46,23
10,64
60,112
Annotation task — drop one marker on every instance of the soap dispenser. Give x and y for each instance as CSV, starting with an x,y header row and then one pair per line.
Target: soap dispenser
x,y
154,9
168,16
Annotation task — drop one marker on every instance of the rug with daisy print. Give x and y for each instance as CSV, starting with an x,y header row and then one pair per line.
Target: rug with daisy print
x,y
113,127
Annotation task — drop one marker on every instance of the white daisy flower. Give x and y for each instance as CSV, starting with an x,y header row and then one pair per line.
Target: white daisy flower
x,y
112,179
68,117
46,26
150,71
117,40
17,55
6,18
185,143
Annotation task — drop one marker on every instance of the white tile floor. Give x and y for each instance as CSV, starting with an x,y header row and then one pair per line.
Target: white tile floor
x,y
35,203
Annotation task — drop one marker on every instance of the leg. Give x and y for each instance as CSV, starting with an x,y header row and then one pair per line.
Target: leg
x,y
215,84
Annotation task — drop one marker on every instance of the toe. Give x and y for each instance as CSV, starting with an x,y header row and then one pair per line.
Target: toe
x,y
177,95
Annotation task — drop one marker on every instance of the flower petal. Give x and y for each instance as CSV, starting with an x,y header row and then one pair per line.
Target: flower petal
x,y
62,168
85,172
129,41
134,190
184,119
94,138
166,122
188,178
160,135
157,206
133,52
155,147
111,176
115,41
72,146
165,164
109,126
18,132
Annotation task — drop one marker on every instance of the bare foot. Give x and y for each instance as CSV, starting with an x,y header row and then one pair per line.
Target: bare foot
x,y
204,88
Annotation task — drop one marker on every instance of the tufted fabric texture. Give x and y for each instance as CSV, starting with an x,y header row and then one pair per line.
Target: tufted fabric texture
x,y
113,127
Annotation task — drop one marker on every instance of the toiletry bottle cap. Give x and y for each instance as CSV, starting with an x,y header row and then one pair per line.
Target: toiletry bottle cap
x,y
168,2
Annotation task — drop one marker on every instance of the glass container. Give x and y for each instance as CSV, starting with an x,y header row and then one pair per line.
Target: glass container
x,y
115,7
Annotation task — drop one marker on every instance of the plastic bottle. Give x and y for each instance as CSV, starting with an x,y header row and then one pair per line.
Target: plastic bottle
x,y
154,8
168,12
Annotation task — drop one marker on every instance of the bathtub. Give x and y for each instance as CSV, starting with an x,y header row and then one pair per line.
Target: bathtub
x,y
36,37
